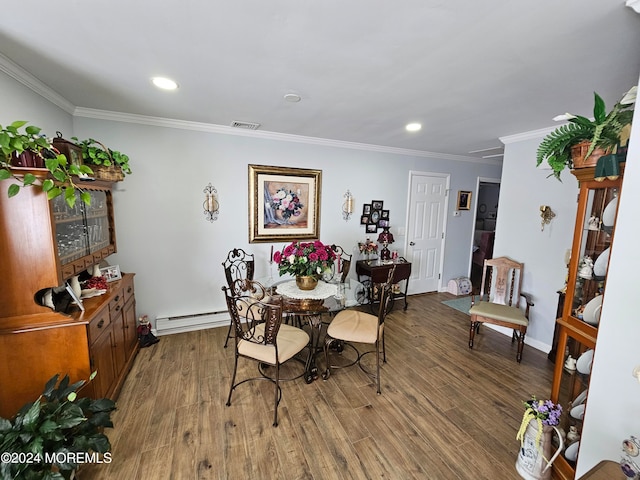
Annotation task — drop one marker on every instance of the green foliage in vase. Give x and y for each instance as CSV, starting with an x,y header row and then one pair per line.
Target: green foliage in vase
x,y
53,431
14,141
603,131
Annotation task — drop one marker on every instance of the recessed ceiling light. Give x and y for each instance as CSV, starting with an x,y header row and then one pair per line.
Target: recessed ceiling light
x,y
164,83
413,127
292,97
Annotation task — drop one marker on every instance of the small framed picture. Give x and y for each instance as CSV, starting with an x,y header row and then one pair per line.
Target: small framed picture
x,y
372,227
464,200
364,219
375,216
111,273
376,204
384,215
366,209
383,223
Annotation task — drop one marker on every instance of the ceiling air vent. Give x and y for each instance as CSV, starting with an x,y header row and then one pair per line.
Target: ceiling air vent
x,y
247,125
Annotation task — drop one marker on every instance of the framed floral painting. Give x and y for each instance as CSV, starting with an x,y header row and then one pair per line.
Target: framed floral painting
x,y
284,204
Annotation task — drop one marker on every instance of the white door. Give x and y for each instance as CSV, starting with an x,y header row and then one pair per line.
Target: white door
x,y
425,230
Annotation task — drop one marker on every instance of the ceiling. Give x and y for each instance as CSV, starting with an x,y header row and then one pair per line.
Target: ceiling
x,y
469,71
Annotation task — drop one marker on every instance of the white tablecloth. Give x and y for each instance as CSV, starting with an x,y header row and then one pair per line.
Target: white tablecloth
x,y
323,290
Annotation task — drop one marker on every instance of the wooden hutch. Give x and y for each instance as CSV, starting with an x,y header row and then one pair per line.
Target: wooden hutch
x,y
578,324
43,244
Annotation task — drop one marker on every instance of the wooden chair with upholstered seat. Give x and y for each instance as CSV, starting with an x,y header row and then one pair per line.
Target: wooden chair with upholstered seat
x,y
238,265
501,300
355,326
260,334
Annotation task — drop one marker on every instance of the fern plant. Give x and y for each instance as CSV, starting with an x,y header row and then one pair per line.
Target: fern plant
x,y
603,131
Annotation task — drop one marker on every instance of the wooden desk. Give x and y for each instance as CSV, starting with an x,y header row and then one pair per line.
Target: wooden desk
x,y
371,272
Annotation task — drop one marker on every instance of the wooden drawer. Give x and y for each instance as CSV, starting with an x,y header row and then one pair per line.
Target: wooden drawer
x,y
127,288
68,270
80,265
99,324
116,304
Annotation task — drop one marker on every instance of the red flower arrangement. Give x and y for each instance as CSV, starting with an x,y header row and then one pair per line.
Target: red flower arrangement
x,y
305,258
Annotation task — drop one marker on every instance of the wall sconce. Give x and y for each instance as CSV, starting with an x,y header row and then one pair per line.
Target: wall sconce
x,y
211,205
347,206
547,214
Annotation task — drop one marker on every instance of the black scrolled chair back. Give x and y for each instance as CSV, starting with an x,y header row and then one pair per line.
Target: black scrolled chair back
x,y
385,292
239,265
345,262
250,307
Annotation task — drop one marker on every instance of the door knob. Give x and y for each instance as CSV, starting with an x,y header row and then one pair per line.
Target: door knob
x,y
412,243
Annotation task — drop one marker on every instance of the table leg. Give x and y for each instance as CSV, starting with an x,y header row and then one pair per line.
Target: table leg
x,y
315,324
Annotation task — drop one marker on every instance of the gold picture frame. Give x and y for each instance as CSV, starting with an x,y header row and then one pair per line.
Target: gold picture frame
x,y
464,200
284,204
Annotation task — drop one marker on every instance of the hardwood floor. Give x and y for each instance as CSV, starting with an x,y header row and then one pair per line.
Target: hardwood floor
x,y
446,412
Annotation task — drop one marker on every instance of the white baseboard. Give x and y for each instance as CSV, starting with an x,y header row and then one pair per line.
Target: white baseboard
x,y
189,323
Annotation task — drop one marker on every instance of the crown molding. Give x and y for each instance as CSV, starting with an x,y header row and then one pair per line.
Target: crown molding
x,y
533,134
31,82
21,75
283,137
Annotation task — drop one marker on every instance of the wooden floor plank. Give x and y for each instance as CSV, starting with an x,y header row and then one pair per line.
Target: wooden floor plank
x,y
446,412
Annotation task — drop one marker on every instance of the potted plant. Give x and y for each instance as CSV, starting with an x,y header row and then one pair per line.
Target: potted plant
x,y
50,437
14,143
108,164
306,261
601,132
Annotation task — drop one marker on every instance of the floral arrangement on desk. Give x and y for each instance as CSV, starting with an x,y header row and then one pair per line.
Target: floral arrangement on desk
x,y
544,412
287,202
305,258
368,247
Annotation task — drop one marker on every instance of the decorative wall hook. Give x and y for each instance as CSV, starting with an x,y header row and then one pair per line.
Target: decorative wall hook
x,y
347,206
547,215
211,205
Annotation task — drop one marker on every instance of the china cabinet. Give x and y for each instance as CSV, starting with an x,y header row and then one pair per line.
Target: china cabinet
x,y
585,292
43,243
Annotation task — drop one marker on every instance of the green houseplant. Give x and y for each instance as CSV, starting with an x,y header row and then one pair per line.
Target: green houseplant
x,y
50,437
603,132
14,141
95,153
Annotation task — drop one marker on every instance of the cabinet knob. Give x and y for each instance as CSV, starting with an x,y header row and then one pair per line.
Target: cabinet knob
x,y
118,308
117,298
101,323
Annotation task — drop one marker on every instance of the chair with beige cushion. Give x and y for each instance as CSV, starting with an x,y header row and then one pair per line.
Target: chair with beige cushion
x,y
238,265
260,335
355,326
501,300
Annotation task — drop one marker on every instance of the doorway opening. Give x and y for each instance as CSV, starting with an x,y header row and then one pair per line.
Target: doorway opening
x,y
484,232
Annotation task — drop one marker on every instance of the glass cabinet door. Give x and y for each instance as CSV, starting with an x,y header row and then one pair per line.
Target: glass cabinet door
x,y
595,243
84,234
71,233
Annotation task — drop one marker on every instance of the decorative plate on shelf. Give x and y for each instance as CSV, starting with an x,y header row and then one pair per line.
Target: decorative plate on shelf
x,y
577,412
591,312
584,362
571,453
580,399
601,263
609,214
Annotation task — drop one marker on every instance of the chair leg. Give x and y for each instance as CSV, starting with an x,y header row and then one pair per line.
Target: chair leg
x,y
228,335
378,366
520,346
472,333
327,343
233,380
384,349
275,414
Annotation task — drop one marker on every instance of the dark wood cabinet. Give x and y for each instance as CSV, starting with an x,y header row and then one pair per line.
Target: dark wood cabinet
x,y
42,244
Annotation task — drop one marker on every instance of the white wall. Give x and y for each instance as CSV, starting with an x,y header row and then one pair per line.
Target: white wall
x,y
523,189
177,255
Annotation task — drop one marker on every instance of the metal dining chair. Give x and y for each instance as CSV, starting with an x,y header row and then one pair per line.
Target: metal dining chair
x,y
260,335
238,265
355,326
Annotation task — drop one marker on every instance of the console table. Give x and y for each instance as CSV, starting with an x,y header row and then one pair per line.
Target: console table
x,y
373,271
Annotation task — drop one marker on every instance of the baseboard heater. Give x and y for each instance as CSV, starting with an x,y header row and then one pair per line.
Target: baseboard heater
x,y
191,322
